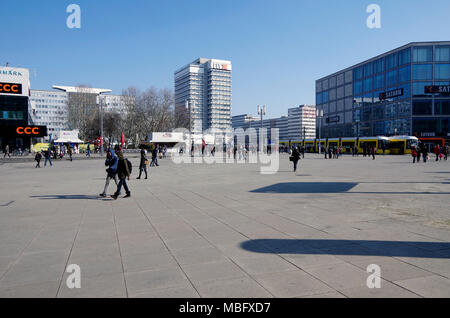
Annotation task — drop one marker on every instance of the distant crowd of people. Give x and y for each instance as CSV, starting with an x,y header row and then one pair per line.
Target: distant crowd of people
x,y
421,150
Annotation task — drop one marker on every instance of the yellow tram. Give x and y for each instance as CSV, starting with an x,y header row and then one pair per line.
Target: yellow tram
x,y
388,145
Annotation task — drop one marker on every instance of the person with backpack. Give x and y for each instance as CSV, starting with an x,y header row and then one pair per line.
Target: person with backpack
x,y
38,158
143,164
295,157
111,173
124,169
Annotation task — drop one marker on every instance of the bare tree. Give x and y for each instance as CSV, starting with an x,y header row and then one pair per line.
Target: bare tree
x,y
149,111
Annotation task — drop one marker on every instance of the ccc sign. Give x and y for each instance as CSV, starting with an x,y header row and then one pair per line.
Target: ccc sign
x,y
27,130
10,88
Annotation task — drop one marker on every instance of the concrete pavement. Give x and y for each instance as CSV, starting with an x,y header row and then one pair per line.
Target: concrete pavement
x,y
227,231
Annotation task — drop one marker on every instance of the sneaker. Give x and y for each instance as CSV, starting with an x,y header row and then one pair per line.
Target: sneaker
x,y
103,195
114,196
128,195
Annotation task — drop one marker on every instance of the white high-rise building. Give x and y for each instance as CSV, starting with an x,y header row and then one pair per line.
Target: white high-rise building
x,y
203,90
302,122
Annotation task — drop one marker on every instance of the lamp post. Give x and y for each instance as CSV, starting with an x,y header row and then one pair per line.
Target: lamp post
x,y
101,124
262,112
319,114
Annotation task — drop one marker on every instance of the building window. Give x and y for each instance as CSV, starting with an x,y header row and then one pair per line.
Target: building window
x,y
422,107
358,73
404,57
11,115
404,74
357,89
422,72
379,81
442,71
391,61
442,107
368,84
378,66
391,78
442,54
423,54
419,89
368,69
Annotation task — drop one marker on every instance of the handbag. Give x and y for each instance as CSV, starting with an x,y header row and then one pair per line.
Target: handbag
x,y
291,158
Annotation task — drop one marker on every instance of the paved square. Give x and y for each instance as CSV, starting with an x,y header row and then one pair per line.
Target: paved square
x,y
225,230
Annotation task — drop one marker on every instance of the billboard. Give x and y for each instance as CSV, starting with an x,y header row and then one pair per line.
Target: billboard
x,y
14,81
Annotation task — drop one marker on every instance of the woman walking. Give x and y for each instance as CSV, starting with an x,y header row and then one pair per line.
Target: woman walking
x,y
143,164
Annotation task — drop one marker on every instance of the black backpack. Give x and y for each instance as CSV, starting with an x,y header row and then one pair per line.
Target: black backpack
x,y
130,166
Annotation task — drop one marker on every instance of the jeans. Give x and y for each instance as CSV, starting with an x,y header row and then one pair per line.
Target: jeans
x,y
122,182
49,160
108,178
144,168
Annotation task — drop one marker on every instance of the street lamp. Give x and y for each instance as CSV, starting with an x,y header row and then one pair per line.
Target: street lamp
x,y
262,112
101,124
319,114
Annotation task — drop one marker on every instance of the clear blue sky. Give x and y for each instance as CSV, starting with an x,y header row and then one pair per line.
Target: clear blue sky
x,y
278,48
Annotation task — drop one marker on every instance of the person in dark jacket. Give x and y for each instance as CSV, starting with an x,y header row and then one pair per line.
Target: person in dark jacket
x,y
124,174
424,153
154,157
111,173
38,158
47,157
295,157
143,164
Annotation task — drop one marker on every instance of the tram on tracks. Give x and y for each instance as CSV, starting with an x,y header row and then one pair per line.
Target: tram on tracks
x,y
396,145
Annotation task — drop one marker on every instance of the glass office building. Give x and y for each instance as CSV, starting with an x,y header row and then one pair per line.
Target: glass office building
x,y
388,95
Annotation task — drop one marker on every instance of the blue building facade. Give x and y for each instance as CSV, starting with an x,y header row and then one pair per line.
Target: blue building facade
x,y
389,94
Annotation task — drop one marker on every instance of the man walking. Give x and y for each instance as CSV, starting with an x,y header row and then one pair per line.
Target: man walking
x,y
38,158
47,157
123,172
155,157
111,173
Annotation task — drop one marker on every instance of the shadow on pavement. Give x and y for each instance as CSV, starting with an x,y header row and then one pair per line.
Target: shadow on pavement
x,y
349,247
330,187
307,187
67,197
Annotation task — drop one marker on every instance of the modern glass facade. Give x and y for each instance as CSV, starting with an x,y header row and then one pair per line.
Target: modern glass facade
x,y
352,104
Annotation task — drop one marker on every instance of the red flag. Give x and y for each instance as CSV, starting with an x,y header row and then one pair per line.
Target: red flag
x,y
122,139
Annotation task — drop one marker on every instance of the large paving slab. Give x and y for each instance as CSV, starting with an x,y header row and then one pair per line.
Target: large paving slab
x,y
226,230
